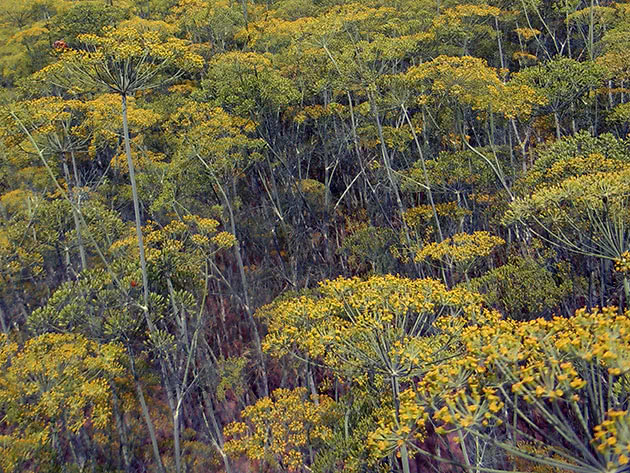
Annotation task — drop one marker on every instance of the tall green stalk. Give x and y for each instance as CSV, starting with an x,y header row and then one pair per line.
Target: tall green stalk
x,y
136,210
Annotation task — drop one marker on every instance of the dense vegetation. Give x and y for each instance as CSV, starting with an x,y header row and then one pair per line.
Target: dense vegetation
x,y
314,236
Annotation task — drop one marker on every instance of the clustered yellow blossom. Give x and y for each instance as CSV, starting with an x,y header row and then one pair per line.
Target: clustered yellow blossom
x,y
178,249
126,59
612,438
423,214
392,433
622,264
343,321
541,371
471,81
279,429
461,249
50,380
